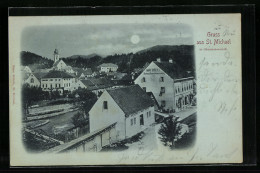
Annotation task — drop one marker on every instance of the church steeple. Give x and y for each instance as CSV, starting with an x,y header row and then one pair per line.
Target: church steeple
x,y
56,55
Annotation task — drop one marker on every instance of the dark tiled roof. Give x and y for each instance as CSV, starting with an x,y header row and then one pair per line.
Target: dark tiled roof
x,y
87,71
39,75
100,83
57,74
172,69
131,99
79,71
87,83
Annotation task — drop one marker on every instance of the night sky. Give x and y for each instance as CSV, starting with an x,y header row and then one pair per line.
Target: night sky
x,y
102,39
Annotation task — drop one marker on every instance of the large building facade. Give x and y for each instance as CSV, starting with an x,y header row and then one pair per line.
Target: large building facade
x,y
58,81
171,87
108,67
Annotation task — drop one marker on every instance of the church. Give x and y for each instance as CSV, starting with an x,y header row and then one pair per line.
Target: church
x,y
60,65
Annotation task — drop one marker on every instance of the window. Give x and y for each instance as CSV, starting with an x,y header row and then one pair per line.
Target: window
x,y
42,85
144,88
105,105
143,79
141,119
161,79
56,85
162,89
163,103
147,114
132,122
32,80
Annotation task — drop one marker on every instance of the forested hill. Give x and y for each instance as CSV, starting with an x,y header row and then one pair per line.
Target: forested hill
x,y
182,55
29,58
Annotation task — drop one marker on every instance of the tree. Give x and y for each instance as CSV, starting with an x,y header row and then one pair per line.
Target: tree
x,y
31,95
169,131
79,120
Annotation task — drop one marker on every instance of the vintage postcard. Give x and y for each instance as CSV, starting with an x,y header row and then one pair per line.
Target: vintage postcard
x,y
125,89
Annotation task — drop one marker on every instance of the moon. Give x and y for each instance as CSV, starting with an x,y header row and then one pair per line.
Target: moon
x,y
135,39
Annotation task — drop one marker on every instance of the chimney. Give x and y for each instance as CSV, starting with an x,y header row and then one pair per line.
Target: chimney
x,y
170,60
158,59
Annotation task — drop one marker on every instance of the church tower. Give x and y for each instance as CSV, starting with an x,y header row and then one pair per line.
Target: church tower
x,y
56,55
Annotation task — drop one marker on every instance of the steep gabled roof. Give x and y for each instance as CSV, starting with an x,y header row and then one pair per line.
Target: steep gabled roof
x,y
57,62
131,99
57,74
172,69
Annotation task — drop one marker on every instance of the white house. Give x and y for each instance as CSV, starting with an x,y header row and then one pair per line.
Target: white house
x,y
108,67
58,81
129,107
31,79
171,86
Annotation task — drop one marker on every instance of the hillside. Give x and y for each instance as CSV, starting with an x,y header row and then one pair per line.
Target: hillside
x,y
83,56
182,55
167,48
32,59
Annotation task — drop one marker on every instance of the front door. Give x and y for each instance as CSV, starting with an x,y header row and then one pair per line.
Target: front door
x,y
141,120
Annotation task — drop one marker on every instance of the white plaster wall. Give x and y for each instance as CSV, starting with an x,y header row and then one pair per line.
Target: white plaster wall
x,y
132,130
54,81
36,82
100,118
153,85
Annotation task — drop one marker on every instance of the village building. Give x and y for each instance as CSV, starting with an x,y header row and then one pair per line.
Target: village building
x,y
83,73
171,86
130,108
60,65
96,85
115,75
107,67
58,81
26,69
30,79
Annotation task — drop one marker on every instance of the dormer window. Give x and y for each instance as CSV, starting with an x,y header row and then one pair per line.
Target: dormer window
x,y
32,80
105,105
143,79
